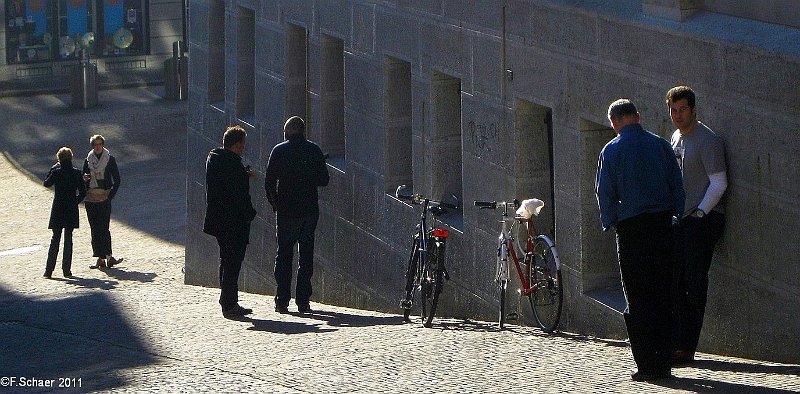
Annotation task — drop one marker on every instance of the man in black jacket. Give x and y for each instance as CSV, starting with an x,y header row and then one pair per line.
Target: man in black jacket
x,y
229,212
295,169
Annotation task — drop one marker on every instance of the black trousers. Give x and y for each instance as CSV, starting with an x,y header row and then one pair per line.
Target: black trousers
x,y
99,215
291,231
645,248
694,239
52,253
232,248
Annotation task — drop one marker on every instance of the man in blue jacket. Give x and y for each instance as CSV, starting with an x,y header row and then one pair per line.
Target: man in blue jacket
x,y
295,169
639,190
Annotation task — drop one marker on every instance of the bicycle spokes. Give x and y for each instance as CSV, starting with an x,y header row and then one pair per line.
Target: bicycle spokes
x,y
547,293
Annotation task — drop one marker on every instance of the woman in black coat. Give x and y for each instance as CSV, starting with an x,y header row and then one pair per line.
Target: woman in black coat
x,y
70,191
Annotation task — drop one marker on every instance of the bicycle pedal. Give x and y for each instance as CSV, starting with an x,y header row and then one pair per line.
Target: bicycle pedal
x,y
512,316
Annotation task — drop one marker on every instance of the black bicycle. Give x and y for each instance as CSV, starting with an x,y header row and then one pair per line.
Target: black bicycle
x,y
426,271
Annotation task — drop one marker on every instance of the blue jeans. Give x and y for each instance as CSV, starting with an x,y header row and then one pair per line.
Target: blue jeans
x,y
291,231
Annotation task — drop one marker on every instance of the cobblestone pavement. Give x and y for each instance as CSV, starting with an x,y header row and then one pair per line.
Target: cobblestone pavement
x,y
138,328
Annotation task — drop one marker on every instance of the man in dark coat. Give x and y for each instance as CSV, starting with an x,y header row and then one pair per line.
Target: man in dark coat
x,y
295,169
69,192
229,212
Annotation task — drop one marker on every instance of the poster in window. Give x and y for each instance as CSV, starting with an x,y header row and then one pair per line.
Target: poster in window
x,y
36,17
77,18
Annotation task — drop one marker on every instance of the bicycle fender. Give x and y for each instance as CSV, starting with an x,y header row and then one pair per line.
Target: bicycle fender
x,y
552,247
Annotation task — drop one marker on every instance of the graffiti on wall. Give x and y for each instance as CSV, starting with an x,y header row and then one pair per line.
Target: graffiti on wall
x,y
485,137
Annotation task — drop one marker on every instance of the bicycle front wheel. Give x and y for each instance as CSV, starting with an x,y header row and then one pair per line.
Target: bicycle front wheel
x,y
547,291
411,280
501,286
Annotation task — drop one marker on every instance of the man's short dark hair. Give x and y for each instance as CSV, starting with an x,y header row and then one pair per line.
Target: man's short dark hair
x,y
296,124
621,107
679,93
233,135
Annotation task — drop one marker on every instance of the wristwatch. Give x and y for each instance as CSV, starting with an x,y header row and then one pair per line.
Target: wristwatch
x,y
699,213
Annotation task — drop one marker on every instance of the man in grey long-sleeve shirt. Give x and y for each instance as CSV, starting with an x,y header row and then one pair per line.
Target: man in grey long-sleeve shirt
x,y
701,155
639,190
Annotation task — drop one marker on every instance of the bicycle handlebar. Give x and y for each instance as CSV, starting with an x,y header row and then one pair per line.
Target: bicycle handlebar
x,y
419,199
446,205
486,204
494,204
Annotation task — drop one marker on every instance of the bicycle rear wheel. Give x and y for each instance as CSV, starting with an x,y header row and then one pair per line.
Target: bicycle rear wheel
x,y
411,280
547,292
432,284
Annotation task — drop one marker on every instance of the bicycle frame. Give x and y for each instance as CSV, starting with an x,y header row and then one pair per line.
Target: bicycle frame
x,y
425,235
426,270
507,246
515,251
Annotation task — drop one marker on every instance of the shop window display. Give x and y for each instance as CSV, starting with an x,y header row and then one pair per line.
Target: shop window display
x,y
48,30
29,36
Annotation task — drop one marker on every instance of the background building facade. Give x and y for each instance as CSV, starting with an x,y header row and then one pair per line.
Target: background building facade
x,y
497,100
41,40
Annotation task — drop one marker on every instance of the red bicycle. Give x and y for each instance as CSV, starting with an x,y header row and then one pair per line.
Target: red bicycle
x,y
536,262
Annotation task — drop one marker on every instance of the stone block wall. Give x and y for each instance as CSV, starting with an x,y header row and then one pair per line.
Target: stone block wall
x,y
500,100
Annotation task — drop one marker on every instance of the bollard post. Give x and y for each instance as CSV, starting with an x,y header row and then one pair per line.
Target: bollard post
x,y
176,79
83,85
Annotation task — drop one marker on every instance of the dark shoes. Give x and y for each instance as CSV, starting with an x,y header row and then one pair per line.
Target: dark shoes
x,y
112,261
49,275
300,308
304,309
101,264
235,312
650,376
281,309
682,357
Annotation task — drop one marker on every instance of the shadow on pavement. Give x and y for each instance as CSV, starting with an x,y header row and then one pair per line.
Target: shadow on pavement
x,y
127,275
338,319
108,284
331,321
145,132
586,338
285,327
89,283
715,386
732,366
84,337
465,325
